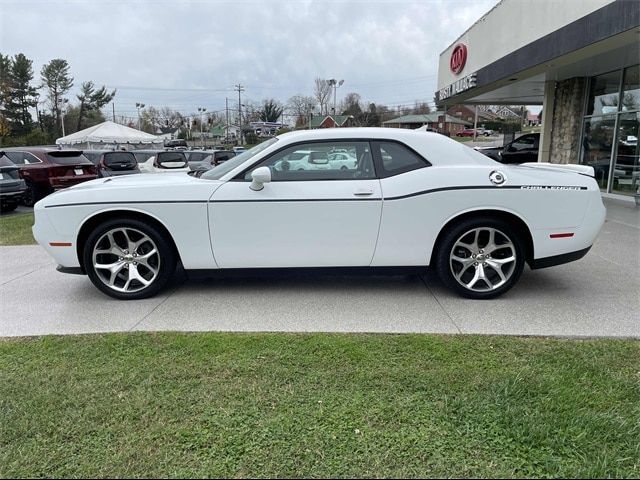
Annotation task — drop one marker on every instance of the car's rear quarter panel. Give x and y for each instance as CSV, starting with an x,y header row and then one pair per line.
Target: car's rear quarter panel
x,y
410,225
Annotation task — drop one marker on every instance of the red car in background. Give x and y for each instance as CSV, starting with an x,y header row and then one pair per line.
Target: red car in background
x,y
467,132
47,169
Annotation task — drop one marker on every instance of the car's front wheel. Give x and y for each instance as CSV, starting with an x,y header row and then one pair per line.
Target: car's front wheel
x,y
129,259
480,258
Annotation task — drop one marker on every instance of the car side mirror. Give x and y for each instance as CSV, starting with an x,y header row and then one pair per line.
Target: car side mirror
x,y
259,177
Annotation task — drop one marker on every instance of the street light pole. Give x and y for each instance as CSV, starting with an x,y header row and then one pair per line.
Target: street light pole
x,y
139,106
62,110
201,110
335,84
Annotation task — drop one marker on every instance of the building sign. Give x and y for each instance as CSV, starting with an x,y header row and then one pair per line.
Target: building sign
x,y
459,86
458,58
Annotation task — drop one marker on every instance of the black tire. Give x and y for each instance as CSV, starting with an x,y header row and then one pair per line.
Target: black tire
x,y
8,207
30,196
445,266
166,253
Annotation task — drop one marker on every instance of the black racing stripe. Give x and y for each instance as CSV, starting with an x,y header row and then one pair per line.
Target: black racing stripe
x,y
284,200
487,187
133,202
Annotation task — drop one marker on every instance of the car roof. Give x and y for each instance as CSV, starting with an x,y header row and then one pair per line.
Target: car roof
x,y
41,149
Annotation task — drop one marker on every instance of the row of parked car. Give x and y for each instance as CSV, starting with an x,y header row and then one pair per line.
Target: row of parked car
x,y
28,174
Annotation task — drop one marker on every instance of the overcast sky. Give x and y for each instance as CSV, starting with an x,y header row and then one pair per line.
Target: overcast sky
x,y
189,54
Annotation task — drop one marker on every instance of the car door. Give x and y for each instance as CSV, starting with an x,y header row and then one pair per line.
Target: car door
x,y
313,217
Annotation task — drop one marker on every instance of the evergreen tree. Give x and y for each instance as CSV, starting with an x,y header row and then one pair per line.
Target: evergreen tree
x,y
57,81
23,95
91,100
5,92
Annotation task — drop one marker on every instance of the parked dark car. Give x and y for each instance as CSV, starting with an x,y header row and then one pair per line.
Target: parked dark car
x,y
144,155
111,163
12,187
176,143
522,149
47,169
207,159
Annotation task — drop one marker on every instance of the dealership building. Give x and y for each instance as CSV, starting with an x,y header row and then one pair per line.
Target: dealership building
x,y
578,59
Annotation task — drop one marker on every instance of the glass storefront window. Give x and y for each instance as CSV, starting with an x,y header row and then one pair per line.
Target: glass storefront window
x,y
597,140
604,94
631,89
626,170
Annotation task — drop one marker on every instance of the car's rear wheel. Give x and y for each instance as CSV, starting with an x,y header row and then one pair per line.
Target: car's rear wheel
x,y
480,258
129,259
30,196
8,207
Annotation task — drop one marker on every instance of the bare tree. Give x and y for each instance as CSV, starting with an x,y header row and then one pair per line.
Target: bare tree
x,y
153,118
301,106
322,92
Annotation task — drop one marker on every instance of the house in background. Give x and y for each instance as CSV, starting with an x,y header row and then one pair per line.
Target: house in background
x,y
331,121
439,121
167,133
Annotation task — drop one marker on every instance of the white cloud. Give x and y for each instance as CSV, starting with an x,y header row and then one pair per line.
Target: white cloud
x,y
385,50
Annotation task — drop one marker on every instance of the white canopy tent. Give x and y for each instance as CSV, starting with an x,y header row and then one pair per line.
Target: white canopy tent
x,y
110,134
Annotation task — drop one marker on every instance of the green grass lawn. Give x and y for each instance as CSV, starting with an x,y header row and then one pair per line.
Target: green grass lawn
x,y
16,229
316,405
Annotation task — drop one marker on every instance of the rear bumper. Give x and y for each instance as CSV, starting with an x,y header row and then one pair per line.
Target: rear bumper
x,y
4,196
71,270
558,259
58,183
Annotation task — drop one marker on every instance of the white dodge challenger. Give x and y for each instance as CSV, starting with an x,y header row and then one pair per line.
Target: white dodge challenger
x,y
412,199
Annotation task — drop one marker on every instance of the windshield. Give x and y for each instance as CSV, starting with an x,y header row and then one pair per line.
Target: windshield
x,y
217,172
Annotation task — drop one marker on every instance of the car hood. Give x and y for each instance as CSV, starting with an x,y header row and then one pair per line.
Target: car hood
x,y
136,188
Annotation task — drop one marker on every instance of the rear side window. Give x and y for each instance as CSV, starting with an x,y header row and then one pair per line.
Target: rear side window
x,y
23,158
68,157
5,162
224,156
395,158
120,160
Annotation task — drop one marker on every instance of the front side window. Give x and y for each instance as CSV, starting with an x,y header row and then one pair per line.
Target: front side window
x,y
319,161
397,158
216,173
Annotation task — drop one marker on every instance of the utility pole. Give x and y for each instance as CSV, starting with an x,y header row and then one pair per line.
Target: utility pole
x,y
226,134
239,88
113,107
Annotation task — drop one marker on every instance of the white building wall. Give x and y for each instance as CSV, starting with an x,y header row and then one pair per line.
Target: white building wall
x,y
510,25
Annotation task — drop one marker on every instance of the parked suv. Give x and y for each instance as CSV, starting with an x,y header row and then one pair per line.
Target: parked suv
x,y
46,169
207,159
111,163
12,187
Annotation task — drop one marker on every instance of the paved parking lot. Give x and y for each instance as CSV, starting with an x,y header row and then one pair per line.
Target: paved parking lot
x,y
597,296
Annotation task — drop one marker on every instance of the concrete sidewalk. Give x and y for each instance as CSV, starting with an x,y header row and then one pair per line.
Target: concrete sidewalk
x,y
596,296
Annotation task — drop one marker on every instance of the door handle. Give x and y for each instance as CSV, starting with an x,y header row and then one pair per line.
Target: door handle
x,y
363,192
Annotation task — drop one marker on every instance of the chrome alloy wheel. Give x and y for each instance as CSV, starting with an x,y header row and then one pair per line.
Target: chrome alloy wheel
x,y
483,259
126,260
